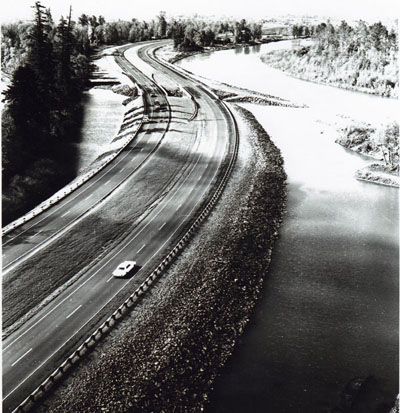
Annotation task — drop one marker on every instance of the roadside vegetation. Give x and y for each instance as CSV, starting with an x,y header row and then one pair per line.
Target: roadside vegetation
x,y
361,57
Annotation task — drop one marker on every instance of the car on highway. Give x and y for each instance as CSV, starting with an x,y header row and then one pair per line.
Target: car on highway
x,y
124,269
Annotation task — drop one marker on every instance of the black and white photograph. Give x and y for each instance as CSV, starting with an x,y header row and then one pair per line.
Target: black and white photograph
x,y
200,206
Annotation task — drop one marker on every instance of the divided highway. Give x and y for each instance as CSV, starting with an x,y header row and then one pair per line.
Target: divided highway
x,y
38,232
33,351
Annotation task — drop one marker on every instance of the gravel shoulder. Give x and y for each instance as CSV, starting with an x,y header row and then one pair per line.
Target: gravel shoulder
x,y
169,349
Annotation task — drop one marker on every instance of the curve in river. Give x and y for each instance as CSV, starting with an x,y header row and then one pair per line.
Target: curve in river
x,y
329,306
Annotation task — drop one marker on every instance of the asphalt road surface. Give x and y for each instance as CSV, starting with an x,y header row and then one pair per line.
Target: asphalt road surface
x,y
33,351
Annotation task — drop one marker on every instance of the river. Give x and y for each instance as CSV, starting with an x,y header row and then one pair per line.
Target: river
x,y
328,311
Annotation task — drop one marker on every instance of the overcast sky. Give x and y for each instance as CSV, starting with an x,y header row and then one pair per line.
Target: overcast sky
x,y
371,10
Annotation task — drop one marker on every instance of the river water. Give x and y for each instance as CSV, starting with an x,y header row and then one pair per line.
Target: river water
x,y
328,311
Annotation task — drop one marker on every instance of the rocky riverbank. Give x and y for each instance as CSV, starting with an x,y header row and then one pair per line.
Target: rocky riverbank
x,y
168,351
380,143
378,173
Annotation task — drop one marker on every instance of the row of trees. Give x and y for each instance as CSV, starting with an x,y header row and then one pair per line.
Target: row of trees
x,y
92,31
43,110
364,55
193,34
98,32
359,39
361,57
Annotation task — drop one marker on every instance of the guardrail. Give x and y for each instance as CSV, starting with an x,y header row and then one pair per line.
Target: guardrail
x,y
71,187
111,321
196,105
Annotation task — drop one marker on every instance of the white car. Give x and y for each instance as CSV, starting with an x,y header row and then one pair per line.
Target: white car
x,y
124,268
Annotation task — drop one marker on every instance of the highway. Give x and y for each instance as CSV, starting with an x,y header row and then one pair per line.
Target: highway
x,y
40,231
33,351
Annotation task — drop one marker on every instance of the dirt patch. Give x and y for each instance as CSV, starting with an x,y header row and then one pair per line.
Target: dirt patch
x,y
168,351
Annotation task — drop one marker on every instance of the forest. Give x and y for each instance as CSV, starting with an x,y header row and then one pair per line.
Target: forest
x,y
362,57
49,67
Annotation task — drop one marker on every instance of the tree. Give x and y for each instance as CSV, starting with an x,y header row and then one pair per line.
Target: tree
x,y
110,33
41,57
162,25
242,32
177,32
256,31
389,142
65,46
83,20
25,109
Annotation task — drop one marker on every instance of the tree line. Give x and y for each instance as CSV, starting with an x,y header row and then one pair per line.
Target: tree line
x,y
361,56
42,110
366,54
194,34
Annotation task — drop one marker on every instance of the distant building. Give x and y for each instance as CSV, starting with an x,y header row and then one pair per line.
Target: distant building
x,y
274,30
227,37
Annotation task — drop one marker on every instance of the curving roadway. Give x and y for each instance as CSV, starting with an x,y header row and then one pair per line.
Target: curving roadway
x,y
33,351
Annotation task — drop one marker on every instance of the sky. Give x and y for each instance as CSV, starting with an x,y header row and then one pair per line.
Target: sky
x,y
370,10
